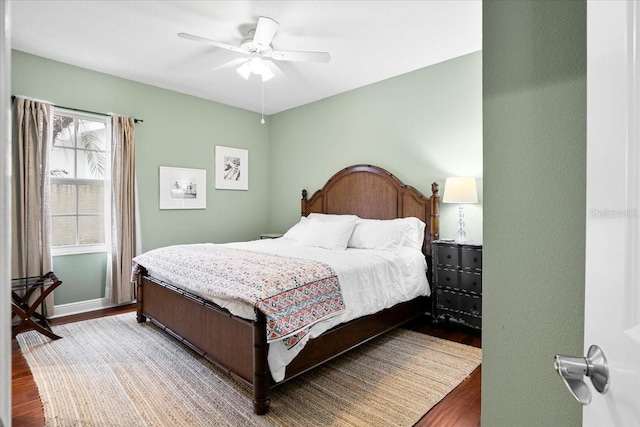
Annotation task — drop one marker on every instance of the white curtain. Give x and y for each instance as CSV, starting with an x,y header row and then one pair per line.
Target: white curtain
x,y
124,242
31,222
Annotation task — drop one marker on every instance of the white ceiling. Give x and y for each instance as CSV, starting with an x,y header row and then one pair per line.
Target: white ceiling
x,y
369,41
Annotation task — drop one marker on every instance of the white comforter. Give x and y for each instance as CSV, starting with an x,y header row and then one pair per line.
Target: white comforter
x,y
370,281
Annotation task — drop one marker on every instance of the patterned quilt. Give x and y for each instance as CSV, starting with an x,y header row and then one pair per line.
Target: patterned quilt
x,y
293,293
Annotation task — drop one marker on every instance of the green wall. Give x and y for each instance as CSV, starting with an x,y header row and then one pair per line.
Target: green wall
x,y
421,126
83,277
534,72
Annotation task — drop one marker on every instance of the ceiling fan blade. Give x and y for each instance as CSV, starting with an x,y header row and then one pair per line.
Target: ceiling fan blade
x,y
265,30
282,55
231,64
213,43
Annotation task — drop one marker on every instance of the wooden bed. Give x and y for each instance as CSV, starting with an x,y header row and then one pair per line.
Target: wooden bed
x,y
239,346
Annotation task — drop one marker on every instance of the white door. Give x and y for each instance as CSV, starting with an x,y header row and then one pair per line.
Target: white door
x,y
612,290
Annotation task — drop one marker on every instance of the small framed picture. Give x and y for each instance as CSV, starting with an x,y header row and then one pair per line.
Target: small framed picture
x,y
182,188
232,168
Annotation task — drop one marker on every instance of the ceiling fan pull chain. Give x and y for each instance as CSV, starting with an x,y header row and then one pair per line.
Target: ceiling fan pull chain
x,y
262,108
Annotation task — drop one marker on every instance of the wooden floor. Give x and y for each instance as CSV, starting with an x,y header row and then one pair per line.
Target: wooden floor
x,y
461,408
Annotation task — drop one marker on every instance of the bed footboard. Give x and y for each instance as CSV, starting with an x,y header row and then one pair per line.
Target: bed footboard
x,y
239,346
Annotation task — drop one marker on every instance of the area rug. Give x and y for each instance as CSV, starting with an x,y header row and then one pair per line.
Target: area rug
x,y
113,371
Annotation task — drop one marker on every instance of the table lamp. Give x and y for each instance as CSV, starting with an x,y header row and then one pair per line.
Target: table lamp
x,y
460,190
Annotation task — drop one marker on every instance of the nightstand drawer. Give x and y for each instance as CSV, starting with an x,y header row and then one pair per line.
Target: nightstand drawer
x,y
473,321
471,282
471,304
448,255
471,258
447,277
447,300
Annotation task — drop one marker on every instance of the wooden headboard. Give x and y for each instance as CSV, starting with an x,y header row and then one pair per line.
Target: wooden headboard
x,y
372,192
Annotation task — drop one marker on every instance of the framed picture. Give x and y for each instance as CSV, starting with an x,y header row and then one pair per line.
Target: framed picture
x,y
232,168
183,188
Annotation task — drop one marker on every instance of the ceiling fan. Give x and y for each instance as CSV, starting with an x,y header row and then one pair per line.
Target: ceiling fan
x,y
258,52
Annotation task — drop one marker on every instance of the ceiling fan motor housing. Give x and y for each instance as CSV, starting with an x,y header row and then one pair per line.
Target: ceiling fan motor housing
x,y
252,47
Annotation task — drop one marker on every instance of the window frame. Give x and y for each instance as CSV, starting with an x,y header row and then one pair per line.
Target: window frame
x,y
77,182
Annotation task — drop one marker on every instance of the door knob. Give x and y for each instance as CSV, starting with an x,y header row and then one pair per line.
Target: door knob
x,y
573,369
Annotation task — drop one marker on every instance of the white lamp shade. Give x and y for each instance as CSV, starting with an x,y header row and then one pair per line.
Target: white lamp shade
x,y
460,190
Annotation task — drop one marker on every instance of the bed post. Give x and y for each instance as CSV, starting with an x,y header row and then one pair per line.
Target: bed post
x,y
261,375
303,203
141,318
434,220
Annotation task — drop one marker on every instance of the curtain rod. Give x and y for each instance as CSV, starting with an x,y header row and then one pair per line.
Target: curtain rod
x,y
84,111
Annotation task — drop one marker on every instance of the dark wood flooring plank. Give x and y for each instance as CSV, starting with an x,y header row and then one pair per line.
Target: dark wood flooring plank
x,y
460,408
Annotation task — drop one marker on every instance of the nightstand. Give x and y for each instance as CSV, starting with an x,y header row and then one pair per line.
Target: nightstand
x,y
457,282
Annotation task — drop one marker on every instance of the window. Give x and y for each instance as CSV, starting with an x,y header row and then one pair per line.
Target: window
x,y
80,170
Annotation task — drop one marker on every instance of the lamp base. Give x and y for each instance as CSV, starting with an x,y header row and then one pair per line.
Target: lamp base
x,y
461,235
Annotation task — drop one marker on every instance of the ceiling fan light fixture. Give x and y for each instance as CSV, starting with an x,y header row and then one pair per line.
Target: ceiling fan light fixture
x,y
244,70
256,63
267,74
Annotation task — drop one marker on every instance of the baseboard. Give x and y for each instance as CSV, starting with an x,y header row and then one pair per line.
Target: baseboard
x,y
81,307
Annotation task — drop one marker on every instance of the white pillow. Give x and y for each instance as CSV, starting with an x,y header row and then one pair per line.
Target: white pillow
x,y
331,217
377,234
297,230
388,234
413,232
328,234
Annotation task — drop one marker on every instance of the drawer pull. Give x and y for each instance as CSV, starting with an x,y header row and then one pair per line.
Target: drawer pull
x,y
448,256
